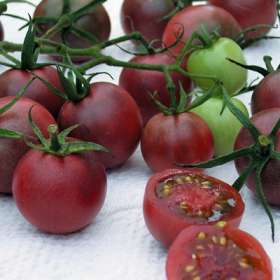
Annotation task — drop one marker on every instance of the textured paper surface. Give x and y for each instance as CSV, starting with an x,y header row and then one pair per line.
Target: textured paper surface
x,y
117,245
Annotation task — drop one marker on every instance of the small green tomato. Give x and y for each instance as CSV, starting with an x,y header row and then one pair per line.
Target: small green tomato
x,y
225,127
213,61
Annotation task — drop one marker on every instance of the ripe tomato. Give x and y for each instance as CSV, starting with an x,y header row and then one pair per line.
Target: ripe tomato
x,y
141,83
190,20
182,138
213,61
225,127
96,22
13,80
108,116
17,119
266,95
59,194
215,252
250,13
264,121
146,17
176,199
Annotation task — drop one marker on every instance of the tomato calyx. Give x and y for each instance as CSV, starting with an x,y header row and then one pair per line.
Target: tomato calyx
x,y
58,144
260,153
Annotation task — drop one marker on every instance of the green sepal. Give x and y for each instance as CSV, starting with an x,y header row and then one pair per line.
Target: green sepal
x,y
181,107
10,134
29,55
81,146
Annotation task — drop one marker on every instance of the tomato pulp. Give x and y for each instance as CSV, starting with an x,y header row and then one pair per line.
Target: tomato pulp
x,y
176,199
215,252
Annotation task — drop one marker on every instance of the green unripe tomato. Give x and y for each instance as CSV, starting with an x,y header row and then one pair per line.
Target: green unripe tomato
x,y
213,61
225,127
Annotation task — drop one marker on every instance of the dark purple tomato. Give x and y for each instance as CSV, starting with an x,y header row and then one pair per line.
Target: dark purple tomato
x,y
182,138
96,22
250,13
140,84
108,116
14,79
267,94
17,119
264,121
59,194
146,16
190,20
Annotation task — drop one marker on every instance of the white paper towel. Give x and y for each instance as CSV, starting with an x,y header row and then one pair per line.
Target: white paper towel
x,y
117,245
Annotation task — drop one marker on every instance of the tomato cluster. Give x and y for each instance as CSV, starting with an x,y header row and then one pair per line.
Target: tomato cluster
x,y
176,97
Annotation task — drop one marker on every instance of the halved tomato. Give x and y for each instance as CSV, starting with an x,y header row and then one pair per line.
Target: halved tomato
x,y
217,252
178,198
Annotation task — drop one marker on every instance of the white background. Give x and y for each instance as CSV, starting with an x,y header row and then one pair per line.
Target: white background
x,y
117,245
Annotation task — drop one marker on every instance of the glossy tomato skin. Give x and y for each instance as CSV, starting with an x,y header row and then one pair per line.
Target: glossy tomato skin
x,y
250,13
212,61
1,32
97,22
182,138
264,121
205,251
108,116
190,20
59,194
165,223
141,83
145,16
14,79
225,127
266,95
17,119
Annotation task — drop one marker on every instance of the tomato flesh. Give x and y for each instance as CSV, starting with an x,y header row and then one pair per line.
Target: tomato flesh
x,y
176,199
214,253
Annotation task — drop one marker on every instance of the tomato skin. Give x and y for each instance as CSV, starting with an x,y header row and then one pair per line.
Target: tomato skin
x,y
168,140
213,61
225,127
145,17
165,225
141,83
13,80
266,94
1,32
57,203
17,119
264,121
250,13
192,17
180,254
96,22
107,116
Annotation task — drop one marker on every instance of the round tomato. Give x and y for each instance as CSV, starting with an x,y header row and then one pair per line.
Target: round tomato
x,y
96,22
176,199
14,79
183,138
266,95
146,17
59,194
216,252
264,122
225,127
212,61
108,116
141,83
190,20
250,13
16,118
